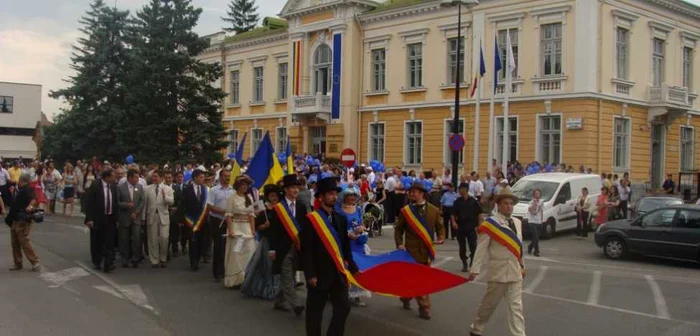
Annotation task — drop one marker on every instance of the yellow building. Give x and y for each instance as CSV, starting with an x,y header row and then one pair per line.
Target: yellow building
x,y
607,84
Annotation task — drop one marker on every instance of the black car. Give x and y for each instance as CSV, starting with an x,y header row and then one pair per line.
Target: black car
x,y
672,232
649,203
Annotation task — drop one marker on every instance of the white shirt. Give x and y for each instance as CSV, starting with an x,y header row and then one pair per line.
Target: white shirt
x,y
109,198
536,215
4,176
390,184
624,192
292,206
476,188
371,177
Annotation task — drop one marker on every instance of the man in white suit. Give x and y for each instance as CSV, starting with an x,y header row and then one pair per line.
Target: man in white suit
x,y
159,198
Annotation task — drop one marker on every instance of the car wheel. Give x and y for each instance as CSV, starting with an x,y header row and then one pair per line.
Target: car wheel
x,y
548,229
615,248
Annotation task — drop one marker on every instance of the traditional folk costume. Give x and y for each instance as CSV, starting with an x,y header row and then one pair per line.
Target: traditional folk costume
x,y
414,229
240,247
500,240
358,245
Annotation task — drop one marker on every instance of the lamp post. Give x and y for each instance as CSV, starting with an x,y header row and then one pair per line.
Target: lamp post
x,y
458,77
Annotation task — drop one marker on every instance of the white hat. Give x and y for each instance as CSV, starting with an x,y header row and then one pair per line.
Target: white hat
x,y
504,181
369,168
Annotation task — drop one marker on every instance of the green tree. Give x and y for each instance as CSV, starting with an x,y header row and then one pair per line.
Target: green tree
x,y
242,16
175,110
96,92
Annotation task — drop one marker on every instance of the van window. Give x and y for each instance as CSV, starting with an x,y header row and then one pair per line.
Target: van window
x,y
524,188
564,193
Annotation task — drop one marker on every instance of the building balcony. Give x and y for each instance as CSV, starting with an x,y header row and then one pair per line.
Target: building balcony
x,y
318,105
516,87
674,96
549,84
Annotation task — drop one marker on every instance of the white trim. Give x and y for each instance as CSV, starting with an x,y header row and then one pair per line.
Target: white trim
x,y
623,19
660,30
418,89
450,30
689,39
546,15
234,65
257,60
369,139
376,93
252,137
445,145
507,20
680,152
405,143
538,126
414,36
539,71
419,8
277,138
628,164
499,157
256,117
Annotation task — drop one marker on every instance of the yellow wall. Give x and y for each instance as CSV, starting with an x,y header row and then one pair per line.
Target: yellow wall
x,y
315,17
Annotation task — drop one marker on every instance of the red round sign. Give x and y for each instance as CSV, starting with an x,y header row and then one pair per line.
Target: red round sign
x,y
348,157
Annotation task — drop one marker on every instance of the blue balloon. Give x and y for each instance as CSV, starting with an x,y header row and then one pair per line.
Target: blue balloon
x,y
231,156
130,159
317,162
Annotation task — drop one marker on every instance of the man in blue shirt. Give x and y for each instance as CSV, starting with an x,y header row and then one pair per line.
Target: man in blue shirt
x,y
218,200
447,202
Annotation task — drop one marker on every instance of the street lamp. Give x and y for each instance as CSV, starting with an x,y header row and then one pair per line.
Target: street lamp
x,y
455,123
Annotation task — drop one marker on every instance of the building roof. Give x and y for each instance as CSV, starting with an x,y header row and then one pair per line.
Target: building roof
x,y
270,26
392,4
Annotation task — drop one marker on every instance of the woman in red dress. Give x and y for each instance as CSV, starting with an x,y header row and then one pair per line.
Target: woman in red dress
x,y
36,184
602,207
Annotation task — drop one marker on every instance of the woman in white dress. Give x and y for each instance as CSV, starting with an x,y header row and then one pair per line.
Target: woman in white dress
x,y
240,242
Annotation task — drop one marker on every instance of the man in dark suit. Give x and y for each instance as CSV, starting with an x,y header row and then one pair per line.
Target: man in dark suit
x,y
283,251
193,207
323,279
176,222
101,217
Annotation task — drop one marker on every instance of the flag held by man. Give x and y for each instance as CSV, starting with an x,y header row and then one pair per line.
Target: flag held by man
x,y
264,167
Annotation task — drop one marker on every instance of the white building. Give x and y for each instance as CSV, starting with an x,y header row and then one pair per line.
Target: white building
x,y
20,111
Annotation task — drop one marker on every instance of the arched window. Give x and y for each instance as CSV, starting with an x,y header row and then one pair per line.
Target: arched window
x,y
323,59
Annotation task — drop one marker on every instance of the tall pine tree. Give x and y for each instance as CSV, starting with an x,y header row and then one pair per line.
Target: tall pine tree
x,y
175,109
96,92
242,16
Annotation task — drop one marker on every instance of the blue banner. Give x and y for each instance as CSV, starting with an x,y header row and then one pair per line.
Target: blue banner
x,y
337,61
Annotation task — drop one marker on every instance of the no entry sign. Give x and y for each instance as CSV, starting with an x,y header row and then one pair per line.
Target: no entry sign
x,y
456,142
348,157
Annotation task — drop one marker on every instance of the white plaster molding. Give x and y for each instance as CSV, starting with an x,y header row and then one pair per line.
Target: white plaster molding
x,y
690,39
660,30
414,36
338,28
551,14
623,19
234,65
283,35
279,55
624,109
548,106
377,42
450,30
375,116
420,8
507,20
412,113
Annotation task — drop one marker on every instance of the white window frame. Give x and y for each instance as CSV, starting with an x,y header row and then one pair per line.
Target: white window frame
x,y
660,58
414,66
552,40
371,136
622,48
688,67
627,134
9,102
235,86
538,139
283,80
451,65
406,141
503,45
233,140
683,142
498,153
378,76
254,141
281,139
446,150
258,84
317,66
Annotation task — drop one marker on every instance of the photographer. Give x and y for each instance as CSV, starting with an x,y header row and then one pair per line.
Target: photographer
x,y
20,220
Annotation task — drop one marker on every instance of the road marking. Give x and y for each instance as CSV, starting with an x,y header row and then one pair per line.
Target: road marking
x,y
661,307
58,279
595,289
537,280
442,262
133,293
109,290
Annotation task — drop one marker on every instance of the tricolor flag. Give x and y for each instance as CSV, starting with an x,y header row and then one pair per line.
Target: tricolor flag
x,y
482,70
496,65
264,167
290,158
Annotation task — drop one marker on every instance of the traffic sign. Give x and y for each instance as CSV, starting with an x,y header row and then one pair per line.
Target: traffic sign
x,y
348,157
456,142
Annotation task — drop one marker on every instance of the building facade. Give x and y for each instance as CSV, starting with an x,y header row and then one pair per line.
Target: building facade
x,y
20,113
610,84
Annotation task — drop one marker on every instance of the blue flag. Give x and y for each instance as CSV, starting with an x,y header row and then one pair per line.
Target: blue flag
x,y
239,151
496,65
264,167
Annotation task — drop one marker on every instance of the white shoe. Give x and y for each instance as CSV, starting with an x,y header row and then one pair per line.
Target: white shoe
x,y
36,267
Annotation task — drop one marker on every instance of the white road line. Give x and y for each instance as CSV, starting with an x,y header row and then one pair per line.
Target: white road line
x,y
442,262
58,279
537,280
661,307
595,289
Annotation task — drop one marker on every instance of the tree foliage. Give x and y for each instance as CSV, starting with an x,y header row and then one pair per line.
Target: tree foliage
x,y
139,89
242,16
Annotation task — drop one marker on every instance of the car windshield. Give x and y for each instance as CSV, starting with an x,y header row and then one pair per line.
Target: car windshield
x,y
652,203
523,189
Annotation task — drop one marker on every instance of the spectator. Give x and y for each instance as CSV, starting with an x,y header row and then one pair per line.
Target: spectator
x,y
583,211
669,186
19,219
476,188
613,204
624,192
14,172
601,211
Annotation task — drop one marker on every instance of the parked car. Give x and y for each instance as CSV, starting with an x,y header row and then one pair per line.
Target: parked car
x,y
672,232
648,203
559,194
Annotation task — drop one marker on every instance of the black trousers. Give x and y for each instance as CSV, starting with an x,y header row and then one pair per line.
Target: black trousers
x,y
218,230
466,236
174,235
200,244
102,242
534,229
623,209
582,224
447,221
389,207
185,237
316,299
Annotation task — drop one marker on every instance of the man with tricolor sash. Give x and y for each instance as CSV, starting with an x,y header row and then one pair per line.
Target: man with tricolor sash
x,y
327,262
193,205
500,242
413,232
285,244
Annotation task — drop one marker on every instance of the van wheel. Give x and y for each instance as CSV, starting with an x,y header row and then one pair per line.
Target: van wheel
x,y
548,229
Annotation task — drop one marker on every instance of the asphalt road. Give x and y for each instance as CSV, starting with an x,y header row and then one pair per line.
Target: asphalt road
x,y
571,290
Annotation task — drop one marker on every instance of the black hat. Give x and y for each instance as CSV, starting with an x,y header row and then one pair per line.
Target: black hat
x,y
272,189
464,185
418,185
327,184
290,180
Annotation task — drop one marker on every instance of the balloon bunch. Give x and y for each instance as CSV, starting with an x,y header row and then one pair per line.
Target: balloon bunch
x,y
377,166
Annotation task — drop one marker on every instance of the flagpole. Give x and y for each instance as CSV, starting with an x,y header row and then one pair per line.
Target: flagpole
x,y
506,96
458,78
491,133
477,115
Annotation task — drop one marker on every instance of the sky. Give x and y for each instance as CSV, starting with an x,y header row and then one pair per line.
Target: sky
x,y
36,38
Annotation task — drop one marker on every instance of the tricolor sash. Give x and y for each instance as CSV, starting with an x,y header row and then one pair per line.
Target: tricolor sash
x,y
503,236
288,222
331,241
417,223
196,222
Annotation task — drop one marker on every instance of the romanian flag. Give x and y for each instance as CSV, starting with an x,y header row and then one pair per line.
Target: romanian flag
x,y
296,73
264,168
290,159
482,70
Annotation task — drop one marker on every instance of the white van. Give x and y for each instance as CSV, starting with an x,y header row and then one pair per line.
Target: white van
x,y
560,191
